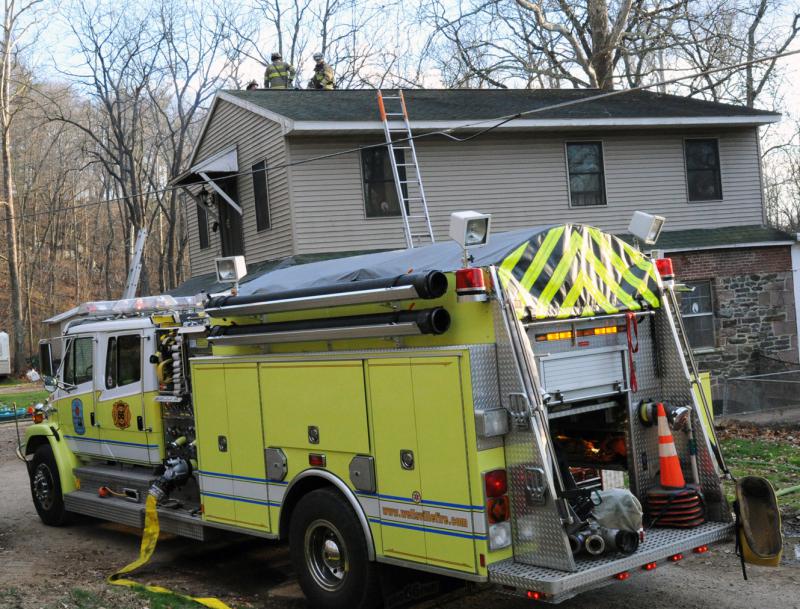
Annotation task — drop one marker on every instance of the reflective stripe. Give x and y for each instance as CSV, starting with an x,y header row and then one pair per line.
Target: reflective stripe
x,y
109,449
547,247
667,450
511,260
624,269
560,273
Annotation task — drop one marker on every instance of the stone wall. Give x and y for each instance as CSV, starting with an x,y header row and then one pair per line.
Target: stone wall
x,y
754,308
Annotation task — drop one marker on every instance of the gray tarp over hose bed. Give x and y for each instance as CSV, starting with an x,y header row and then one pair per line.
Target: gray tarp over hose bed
x,y
564,270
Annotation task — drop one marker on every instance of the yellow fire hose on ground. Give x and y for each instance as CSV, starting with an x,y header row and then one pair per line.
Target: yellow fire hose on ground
x,y
149,541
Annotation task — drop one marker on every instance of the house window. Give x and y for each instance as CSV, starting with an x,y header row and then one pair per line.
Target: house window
x,y
587,184
380,194
702,170
202,226
123,361
79,363
261,195
698,315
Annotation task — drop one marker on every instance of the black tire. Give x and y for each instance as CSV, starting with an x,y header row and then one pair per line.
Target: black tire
x,y
339,575
46,487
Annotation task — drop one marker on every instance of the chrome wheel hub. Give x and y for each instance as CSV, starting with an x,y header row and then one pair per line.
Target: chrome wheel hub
x,y
43,486
326,555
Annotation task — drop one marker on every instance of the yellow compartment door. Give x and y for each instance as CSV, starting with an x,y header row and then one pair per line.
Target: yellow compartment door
x,y
119,404
395,436
442,463
76,406
214,459
246,446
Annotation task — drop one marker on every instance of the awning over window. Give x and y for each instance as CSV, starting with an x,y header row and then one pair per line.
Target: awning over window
x,y
207,173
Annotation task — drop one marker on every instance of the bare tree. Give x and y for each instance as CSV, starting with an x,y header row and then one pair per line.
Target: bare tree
x,y
717,34
14,29
548,43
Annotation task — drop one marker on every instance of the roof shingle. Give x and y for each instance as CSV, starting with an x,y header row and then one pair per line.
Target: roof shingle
x,y
477,104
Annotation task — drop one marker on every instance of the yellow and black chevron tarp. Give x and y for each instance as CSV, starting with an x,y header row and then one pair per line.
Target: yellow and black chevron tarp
x,y
579,271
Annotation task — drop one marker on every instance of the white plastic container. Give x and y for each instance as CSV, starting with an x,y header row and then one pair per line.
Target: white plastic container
x,y
5,355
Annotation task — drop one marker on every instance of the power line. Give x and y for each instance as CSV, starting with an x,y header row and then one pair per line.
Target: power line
x,y
448,133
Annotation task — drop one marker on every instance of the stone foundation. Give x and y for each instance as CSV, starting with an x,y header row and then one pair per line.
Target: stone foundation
x,y
754,309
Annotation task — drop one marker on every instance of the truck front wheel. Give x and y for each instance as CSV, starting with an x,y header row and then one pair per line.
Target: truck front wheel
x,y
329,554
46,487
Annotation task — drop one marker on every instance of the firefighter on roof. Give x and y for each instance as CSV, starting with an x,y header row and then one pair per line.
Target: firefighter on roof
x,y
279,74
323,74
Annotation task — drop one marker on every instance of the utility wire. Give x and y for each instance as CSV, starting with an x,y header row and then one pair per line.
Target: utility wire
x,y
448,133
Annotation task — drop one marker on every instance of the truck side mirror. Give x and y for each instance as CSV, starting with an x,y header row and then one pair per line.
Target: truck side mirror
x,y
50,384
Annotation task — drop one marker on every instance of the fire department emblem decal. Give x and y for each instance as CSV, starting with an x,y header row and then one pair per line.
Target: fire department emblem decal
x,y
416,497
77,417
121,414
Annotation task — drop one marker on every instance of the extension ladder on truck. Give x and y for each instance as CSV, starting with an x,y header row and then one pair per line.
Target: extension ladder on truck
x,y
414,209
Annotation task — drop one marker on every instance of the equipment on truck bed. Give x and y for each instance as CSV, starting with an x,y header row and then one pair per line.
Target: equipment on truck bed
x,y
469,414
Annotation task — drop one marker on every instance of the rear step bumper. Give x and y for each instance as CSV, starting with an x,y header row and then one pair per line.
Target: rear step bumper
x,y
557,586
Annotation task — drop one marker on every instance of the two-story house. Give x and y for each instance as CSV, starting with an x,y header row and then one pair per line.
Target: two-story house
x,y
284,174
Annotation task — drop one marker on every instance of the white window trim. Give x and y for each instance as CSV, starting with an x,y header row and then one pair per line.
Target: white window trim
x,y
689,201
605,181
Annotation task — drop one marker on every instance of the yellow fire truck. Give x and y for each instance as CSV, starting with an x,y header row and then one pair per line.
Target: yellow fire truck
x,y
459,409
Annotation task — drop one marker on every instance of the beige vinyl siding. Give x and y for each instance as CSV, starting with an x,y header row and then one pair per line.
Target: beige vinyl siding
x,y
522,180
201,261
256,139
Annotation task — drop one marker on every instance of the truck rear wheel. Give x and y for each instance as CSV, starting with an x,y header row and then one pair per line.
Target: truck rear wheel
x,y
46,487
329,554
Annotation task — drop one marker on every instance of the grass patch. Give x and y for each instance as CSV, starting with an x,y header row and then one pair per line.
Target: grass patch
x,y
10,381
166,601
23,399
119,598
10,598
778,462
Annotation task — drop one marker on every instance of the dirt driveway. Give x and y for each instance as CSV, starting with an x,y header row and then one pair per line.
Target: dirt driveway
x,y
40,566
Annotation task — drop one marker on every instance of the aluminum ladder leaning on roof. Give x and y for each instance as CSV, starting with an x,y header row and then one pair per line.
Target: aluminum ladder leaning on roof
x,y
414,209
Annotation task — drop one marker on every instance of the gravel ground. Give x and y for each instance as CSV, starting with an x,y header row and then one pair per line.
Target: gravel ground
x,y
44,564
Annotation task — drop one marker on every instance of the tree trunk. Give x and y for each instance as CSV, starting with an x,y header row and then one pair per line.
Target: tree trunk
x,y
601,60
12,249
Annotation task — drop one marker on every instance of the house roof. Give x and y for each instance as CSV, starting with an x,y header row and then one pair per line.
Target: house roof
x,y
724,237
302,110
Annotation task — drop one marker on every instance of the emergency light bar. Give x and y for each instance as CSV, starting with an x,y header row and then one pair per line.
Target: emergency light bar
x,y
143,304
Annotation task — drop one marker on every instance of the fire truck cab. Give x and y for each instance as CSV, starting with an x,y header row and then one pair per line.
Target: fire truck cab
x,y
456,409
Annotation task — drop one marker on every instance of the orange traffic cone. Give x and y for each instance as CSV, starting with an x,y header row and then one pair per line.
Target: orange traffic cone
x,y
671,474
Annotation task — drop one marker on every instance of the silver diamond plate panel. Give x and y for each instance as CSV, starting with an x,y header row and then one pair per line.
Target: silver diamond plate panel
x,y
676,389
537,532
485,386
592,572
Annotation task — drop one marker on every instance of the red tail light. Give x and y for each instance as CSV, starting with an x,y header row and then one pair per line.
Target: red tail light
x,y
316,460
700,550
534,595
676,557
622,576
496,483
498,509
664,266
649,566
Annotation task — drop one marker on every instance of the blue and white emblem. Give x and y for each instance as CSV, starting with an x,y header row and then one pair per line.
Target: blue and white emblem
x,y
77,417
